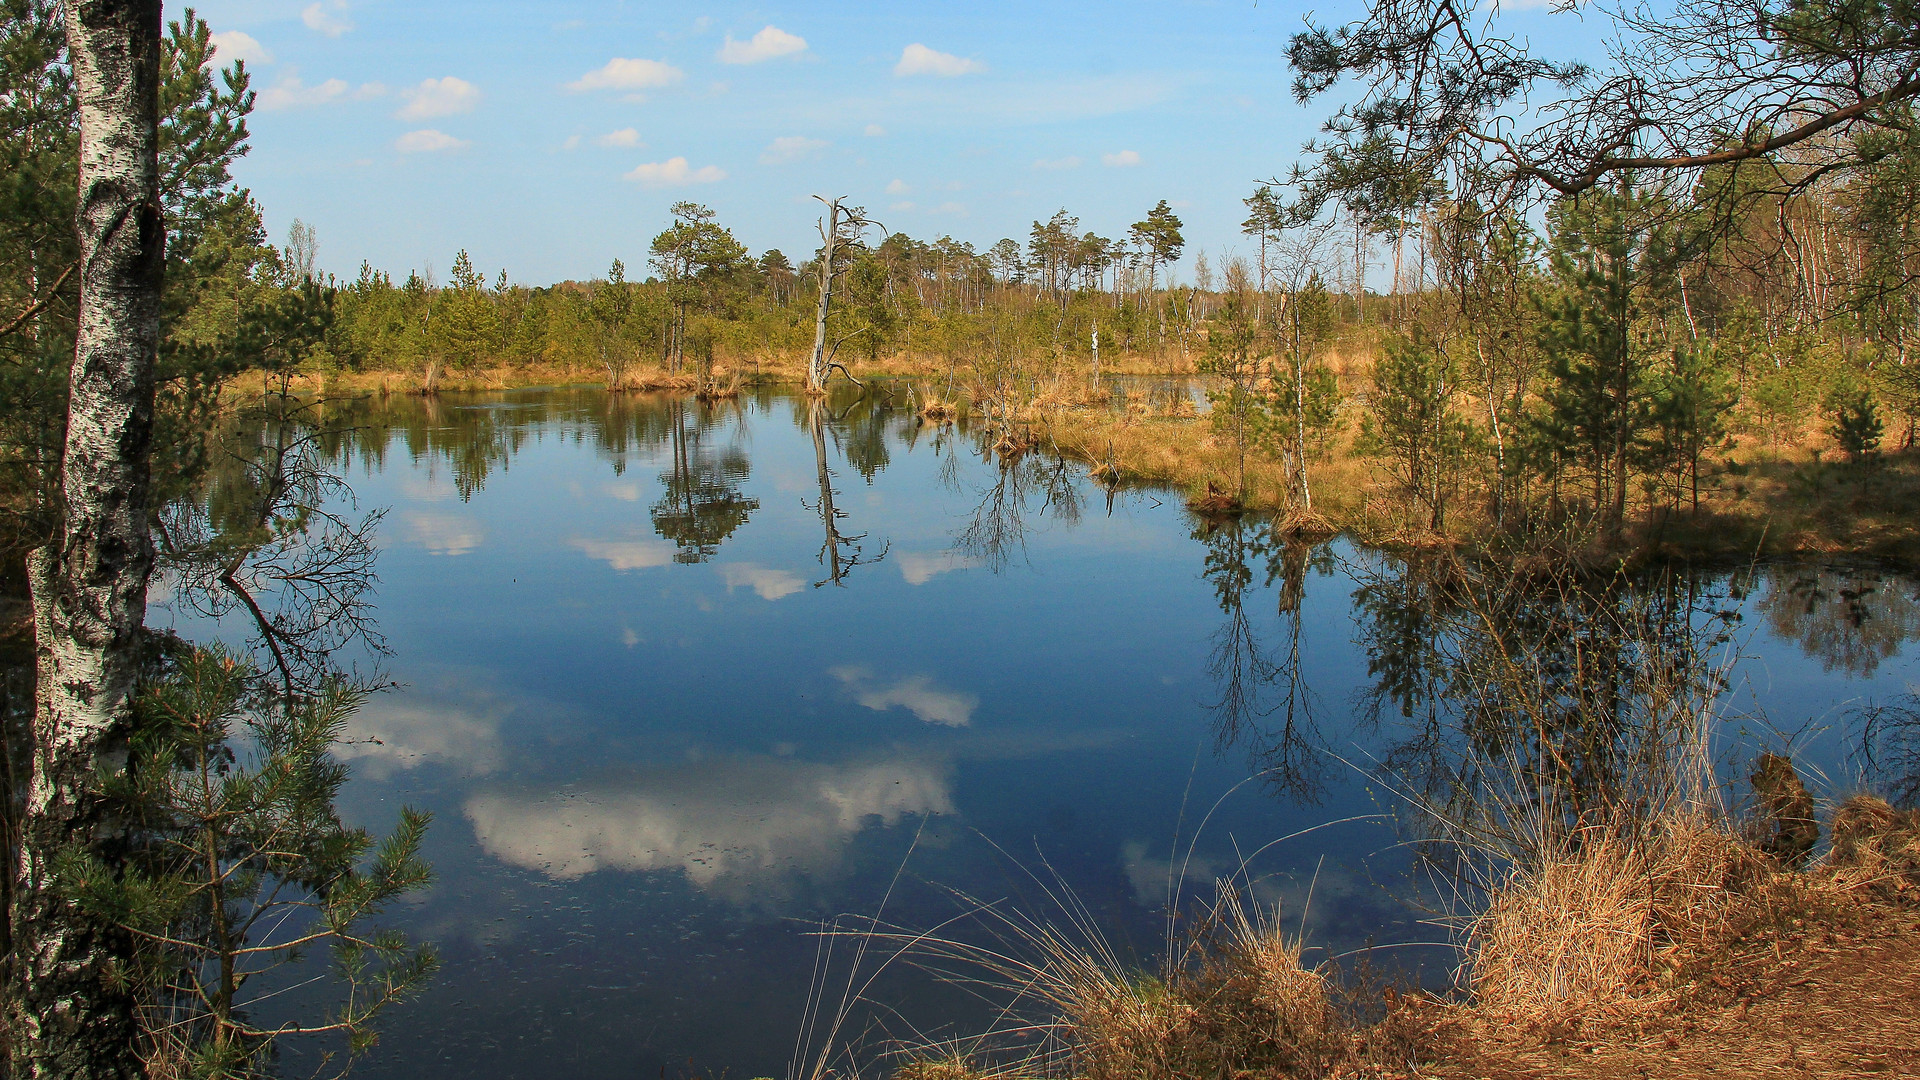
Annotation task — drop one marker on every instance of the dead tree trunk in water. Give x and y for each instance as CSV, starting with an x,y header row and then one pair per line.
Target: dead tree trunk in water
x,y
72,1011
829,237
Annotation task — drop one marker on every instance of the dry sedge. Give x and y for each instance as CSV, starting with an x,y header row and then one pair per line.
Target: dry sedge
x,y
1590,930
1876,849
1238,1001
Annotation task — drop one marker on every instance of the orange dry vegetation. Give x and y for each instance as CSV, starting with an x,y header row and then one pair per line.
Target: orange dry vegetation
x,y
1836,1005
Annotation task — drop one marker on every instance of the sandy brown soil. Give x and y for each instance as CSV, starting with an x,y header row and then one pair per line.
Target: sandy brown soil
x,y
1834,1007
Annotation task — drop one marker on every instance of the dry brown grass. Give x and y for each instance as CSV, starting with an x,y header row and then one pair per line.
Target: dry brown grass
x,y
1616,927
1237,1001
936,411
1599,927
1876,849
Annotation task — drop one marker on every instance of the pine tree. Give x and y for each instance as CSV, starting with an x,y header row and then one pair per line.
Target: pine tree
x,y
1411,425
1597,398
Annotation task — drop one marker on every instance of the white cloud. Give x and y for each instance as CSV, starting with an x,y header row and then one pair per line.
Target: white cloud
x,y
734,827
624,137
572,143
439,97
770,584
232,45
1120,160
766,45
790,148
919,568
905,206
428,141
441,534
950,207
917,59
626,554
915,693
621,73
327,16
898,187
291,93
674,172
1051,164
874,131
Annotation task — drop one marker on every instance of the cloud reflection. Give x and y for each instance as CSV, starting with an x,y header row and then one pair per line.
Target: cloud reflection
x,y
443,534
384,737
920,567
728,824
770,584
915,693
626,554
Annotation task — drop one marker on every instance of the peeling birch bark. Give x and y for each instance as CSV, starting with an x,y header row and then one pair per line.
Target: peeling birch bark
x,y
72,1009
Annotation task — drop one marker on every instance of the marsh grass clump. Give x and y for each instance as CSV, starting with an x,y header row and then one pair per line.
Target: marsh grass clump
x,y
1602,926
1876,849
938,411
1238,999
716,389
1232,997
1215,502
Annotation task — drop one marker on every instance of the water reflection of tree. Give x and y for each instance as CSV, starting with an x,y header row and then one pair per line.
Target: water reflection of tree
x,y
840,551
700,503
1851,619
273,533
1889,746
1264,700
240,862
1025,489
864,433
1535,698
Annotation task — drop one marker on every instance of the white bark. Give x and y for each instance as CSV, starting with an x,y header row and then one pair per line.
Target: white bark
x,y
73,1007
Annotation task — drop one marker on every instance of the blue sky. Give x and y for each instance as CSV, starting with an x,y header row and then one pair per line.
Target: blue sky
x,y
551,138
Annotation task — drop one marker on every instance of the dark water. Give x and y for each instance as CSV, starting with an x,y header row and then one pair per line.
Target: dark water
x,y
673,704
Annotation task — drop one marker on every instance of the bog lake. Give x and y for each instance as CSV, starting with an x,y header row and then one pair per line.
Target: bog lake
x,y
684,683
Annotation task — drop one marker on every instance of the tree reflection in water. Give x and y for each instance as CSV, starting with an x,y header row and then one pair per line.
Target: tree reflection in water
x,y
1264,699
1535,699
1849,618
1889,747
996,531
274,533
841,552
700,504
240,863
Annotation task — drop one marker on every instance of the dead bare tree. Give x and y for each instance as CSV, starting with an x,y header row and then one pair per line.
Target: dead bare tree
x,y
840,231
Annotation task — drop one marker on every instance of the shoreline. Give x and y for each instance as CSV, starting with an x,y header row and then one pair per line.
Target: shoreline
x,y
1774,505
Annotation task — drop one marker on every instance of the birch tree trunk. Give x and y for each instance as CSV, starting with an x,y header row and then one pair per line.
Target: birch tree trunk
x,y
73,1005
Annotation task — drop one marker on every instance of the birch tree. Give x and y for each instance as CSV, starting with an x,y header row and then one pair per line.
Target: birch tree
x,y
73,1007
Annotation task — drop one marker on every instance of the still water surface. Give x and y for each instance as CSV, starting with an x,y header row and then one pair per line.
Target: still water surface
x,y
679,683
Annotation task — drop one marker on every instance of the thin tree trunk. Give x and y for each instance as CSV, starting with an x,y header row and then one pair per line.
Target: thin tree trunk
x,y
817,367
73,1003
